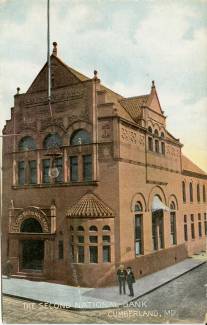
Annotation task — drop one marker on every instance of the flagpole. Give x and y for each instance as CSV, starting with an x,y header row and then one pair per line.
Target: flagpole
x,y
48,57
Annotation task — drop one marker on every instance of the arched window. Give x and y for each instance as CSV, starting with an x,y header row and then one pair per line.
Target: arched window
x,y
191,192
204,193
172,205
138,228
93,228
162,135
106,228
156,132
150,129
27,143
31,225
138,207
184,192
80,137
80,228
52,140
198,193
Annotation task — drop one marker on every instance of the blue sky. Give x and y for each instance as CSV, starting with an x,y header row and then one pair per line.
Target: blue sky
x,y
130,43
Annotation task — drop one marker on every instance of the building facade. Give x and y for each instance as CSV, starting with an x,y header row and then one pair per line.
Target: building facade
x,y
93,181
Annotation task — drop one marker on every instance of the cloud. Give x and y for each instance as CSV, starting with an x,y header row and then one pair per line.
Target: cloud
x,y
130,43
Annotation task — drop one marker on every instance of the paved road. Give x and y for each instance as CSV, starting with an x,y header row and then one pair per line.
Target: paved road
x,y
183,300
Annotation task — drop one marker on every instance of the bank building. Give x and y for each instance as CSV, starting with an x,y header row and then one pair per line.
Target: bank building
x,y
99,183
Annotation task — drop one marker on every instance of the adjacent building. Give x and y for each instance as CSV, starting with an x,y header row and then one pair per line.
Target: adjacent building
x,y
93,181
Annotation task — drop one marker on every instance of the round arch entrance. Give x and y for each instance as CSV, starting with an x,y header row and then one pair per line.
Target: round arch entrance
x,y
32,250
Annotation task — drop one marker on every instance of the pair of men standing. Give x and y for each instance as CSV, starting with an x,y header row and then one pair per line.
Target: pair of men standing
x,y
123,277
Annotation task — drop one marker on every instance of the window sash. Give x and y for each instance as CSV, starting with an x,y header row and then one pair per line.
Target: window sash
x,y
21,173
186,232
33,172
81,255
107,254
93,250
46,167
87,168
59,166
74,169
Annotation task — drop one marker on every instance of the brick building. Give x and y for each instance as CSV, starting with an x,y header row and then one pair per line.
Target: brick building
x,y
101,182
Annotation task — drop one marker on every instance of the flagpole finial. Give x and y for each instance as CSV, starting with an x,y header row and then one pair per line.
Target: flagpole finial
x,y
54,52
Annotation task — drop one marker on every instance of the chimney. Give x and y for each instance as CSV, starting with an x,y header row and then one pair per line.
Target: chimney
x,y
54,51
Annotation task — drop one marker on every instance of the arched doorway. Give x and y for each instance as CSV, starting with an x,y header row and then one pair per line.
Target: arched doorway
x,y
157,223
32,250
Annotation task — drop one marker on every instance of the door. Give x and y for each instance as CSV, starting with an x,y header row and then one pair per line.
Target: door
x,y
32,254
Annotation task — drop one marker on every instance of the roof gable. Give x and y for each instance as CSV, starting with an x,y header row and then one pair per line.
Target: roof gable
x,y
153,100
60,72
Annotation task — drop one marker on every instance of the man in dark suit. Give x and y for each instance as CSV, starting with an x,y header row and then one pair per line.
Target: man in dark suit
x,y
121,276
130,280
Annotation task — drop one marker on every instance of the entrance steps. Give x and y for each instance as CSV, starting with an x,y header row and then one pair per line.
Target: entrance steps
x,y
33,276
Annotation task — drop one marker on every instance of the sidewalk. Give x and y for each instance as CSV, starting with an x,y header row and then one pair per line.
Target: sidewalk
x,y
93,298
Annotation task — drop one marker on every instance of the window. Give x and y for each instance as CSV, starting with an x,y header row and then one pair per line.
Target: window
x,y
162,148
198,192
21,173
157,146
93,251
80,228
173,228
46,167
191,192
80,137
31,225
74,169
156,132
71,252
204,193
185,228
87,168
52,140
199,226
71,228
192,227
138,207
138,234
32,172
27,143
150,144
107,254
184,192
58,162
93,239
60,249
81,256
106,228
150,129
93,228
106,239
205,224
81,239
162,135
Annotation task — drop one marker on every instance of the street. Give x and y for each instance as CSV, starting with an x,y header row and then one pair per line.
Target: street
x,y
183,300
